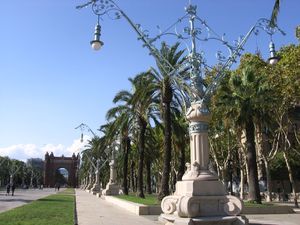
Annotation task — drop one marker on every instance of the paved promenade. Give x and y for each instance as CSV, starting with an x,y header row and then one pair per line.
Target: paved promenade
x,y
96,211
22,197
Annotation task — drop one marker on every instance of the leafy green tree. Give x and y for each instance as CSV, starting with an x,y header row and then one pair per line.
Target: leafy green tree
x,y
287,72
4,172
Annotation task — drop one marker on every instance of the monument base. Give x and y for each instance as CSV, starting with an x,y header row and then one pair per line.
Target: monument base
x,y
111,189
89,187
201,202
215,220
96,189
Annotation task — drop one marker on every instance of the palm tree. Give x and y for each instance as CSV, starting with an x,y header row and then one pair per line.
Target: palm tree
x,y
133,115
165,85
96,150
142,102
151,153
121,116
180,141
243,100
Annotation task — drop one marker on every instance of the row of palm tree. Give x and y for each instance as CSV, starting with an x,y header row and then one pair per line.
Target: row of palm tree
x,y
149,122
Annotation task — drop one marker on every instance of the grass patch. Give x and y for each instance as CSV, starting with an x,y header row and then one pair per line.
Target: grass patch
x,y
263,205
148,200
68,191
57,209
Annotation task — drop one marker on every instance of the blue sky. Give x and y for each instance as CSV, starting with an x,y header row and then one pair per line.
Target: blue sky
x,y
51,80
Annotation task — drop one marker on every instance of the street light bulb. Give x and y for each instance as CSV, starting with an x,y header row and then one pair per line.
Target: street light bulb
x,y
273,61
96,44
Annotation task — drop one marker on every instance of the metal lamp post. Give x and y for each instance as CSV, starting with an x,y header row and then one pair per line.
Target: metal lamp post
x,y
200,196
96,187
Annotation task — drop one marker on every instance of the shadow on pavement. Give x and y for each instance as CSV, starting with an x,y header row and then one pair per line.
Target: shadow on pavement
x,y
15,200
54,200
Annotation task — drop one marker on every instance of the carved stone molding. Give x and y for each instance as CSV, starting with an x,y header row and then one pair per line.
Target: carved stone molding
x,y
197,206
198,112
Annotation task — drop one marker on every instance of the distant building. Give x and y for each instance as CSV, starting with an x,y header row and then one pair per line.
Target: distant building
x,y
35,163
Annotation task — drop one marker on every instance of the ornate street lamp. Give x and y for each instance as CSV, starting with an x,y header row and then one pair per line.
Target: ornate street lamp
x,y
97,43
200,194
96,187
273,58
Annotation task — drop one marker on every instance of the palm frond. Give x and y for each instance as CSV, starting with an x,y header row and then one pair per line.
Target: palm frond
x,y
274,15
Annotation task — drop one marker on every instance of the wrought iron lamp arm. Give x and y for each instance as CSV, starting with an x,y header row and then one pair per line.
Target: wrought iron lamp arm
x,y
194,59
106,6
232,59
235,53
83,126
91,161
15,171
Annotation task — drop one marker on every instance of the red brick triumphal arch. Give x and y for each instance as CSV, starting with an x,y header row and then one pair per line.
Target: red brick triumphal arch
x,y
52,164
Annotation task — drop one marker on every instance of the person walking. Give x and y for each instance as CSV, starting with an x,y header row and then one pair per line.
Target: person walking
x,y
13,187
7,189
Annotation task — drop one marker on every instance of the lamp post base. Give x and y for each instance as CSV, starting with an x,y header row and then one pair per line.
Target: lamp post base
x,y
88,187
200,198
201,202
111,189
215,220
96,189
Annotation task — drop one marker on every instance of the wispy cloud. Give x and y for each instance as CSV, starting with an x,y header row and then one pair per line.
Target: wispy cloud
x,y
26,151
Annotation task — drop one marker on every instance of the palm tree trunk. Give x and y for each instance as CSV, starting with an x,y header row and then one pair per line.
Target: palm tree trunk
x,y
141,145
254,193
132,176
181,163
291,178
165,190
148,172
125,165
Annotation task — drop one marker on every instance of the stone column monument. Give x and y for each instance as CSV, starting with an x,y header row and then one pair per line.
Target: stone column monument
x,y
112,188
200,198
90,183
97,187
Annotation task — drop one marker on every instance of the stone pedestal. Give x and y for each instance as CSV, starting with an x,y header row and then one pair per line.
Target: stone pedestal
x,y
200,198
217,220
96,188
112,188
90,183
